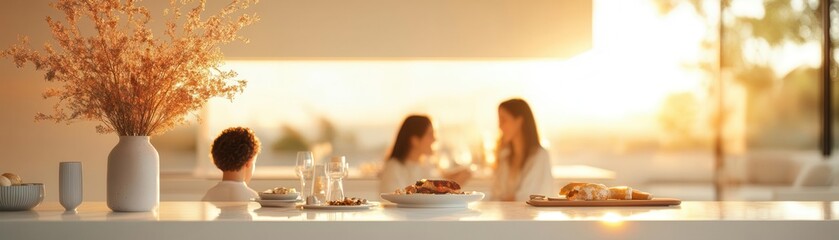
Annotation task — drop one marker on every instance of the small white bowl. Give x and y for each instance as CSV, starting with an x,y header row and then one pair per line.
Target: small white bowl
x,y
274,196
21,197
277,203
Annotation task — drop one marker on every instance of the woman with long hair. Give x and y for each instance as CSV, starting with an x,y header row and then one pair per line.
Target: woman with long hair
x,y
524,166
407,160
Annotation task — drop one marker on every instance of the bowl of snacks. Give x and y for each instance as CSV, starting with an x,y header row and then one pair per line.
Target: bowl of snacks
x,y
279,193
18,196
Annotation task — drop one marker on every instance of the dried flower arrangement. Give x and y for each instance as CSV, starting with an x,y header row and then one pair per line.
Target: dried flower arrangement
x,y
124,77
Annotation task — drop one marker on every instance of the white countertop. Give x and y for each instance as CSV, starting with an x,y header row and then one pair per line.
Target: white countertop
x,y
489,220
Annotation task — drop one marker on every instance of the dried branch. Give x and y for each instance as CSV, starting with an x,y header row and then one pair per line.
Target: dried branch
x,y
125,78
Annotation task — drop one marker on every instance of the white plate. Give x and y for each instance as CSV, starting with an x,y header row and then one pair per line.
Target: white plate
x,y
338,207
277,203
273,196
419,200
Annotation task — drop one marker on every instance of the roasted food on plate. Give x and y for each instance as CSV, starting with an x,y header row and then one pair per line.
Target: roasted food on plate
x,y
426,186
579,191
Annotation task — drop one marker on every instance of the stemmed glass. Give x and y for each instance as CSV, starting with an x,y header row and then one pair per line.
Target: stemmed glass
x,y
336,170
304,169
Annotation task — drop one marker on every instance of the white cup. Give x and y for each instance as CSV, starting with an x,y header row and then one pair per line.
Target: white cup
x,y
70,185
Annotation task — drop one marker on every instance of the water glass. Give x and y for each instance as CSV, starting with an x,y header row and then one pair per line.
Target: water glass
x,y
70,185
336,170
319,187
304,169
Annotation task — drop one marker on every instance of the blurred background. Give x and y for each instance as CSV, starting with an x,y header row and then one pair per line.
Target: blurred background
x,y
699,100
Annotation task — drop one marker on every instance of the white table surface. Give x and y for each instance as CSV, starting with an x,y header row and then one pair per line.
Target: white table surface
x,y
482,220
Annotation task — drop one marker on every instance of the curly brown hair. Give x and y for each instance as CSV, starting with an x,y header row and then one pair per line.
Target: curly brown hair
x,y
234,147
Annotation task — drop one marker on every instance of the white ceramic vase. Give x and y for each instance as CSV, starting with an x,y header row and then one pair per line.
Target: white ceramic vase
x,y
70,185
133,175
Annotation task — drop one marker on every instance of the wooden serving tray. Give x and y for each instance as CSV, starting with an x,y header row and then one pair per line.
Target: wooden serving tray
x,y
561,202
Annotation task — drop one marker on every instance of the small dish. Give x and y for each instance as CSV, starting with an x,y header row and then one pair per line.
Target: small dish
x,y
277,203
276,196
21,197
339,207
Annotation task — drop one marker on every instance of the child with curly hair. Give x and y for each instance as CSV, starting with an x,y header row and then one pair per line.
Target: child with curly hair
x,y
234,152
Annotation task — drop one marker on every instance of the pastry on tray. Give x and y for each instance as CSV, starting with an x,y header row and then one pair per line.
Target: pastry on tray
x,y
588,192
569,187
620,193
579,191
639,195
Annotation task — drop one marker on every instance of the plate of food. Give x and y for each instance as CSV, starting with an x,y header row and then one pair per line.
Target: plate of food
x,y
277,203
346,204
433,194
279,193
579,194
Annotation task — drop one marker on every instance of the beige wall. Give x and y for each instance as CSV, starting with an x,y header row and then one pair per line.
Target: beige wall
x,y
424,28
290,29
33,150
383,28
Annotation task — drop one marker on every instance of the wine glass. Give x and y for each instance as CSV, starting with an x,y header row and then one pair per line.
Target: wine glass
x,y
304,169
336,170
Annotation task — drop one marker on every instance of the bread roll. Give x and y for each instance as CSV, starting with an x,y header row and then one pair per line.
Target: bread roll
x,y
581,191
5,181
14,178
639,195
589,192
620,193
569,187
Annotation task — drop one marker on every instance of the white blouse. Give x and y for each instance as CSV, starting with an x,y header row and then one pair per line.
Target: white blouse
x,y
230,191
396,175
535,177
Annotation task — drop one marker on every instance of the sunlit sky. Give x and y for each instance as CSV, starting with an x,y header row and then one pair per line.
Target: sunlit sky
x,y
639,58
